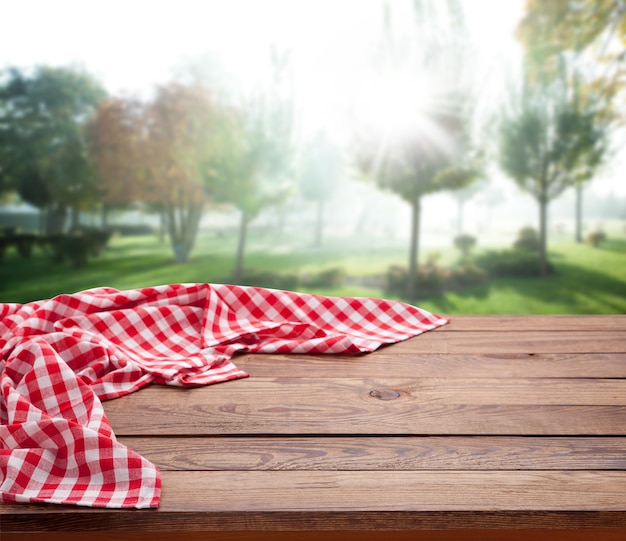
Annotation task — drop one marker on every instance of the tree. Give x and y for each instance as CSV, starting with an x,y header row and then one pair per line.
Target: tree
x,y
179,146
462,196
163,153
42,116
254,170
581,44
114,136
597,27
424,147
319,172
545,143
586,148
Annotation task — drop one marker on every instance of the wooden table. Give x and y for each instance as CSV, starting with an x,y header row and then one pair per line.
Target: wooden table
x,y
490,423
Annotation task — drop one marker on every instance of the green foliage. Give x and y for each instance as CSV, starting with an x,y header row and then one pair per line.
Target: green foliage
x,y
465,243
274,280
254,167
466,275
510,263
43,153
77,247
527,239
329,278
332,277
434,150
433,278
25,243
22,242
4,244
132,229
580,284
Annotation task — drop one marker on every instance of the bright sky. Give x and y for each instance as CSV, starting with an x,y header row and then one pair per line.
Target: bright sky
x,y
133,45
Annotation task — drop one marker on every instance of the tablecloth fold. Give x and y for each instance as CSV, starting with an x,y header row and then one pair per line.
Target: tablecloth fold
x,y
61,357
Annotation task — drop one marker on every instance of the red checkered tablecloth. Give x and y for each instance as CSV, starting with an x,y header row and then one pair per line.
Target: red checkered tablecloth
x,y
60,358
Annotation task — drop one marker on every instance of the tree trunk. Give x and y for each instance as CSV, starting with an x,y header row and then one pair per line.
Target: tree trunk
x,y
241,244
74,218
543,236
190,227
55,219
579,212
459,225
183,228
162,225
411,278
104,216
319,222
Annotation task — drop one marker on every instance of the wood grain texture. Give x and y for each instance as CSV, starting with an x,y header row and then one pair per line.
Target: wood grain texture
x,y
490,423
586,534
88,520
356,500
541,323
351,406
403,360
394,491
268,392
479,341
388,453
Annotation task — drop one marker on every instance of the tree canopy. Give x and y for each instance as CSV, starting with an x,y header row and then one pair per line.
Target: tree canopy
x,y
45,158
547,144
432,150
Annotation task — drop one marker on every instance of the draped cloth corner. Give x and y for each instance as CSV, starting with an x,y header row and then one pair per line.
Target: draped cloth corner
x,y
61,357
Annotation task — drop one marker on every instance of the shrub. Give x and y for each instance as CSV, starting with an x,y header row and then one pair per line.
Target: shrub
x,y
97,239
510,263
53,245
465,243
332,277
132,229
527,239
253,277
77,246
395,278
467,275
4,243
431,278
24,242
596,238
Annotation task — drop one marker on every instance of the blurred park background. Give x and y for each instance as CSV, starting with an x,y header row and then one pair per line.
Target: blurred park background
x,y
464,155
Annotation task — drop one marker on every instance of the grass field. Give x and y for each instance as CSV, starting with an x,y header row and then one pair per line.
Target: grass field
x,y
586,280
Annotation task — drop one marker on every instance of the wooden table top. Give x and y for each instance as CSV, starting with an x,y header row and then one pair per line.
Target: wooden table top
x,y
489,423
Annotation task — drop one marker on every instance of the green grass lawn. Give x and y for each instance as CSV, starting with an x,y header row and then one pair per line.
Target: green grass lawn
x,y
586,280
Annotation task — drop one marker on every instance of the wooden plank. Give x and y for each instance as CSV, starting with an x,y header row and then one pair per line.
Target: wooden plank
x,y
552,322
394,491
480,342
386,453
383,393
354,500
407,360
178,415
587,534
88,520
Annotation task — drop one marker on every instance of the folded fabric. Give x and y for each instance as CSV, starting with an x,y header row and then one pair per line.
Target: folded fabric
x,y
60,358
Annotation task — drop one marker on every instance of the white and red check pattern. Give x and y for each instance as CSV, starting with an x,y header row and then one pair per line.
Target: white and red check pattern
x,y
60,358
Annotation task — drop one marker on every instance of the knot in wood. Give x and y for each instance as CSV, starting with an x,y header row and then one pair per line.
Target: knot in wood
x,y
385,394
